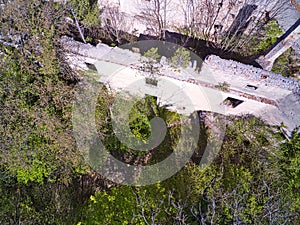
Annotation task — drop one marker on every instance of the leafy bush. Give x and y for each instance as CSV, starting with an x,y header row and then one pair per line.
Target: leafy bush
x,y
86,11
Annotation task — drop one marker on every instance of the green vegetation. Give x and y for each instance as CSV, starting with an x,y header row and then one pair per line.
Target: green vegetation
x,y
181,58
36,97
150,65
259,41
288,64
87,11
271,32
223,86
290,156
140,115
255,178
152,54
151,58
246,183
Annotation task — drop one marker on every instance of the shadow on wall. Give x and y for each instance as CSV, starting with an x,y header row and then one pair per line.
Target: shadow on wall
x,y
202,48
198,46
241,21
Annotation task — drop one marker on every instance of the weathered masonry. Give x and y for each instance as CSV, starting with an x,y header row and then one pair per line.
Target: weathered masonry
x,y
222,86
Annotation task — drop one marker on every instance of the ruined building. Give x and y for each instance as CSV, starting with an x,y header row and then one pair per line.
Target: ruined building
x,y
222,86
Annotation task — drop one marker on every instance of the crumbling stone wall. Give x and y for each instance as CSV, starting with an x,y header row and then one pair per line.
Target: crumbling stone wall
x,y
252,73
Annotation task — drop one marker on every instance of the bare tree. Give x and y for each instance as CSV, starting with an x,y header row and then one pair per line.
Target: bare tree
x,y
296,5
154,15
188,10
170,207
200,15
78,26
227,22
143,205
243,31
115,22
275,210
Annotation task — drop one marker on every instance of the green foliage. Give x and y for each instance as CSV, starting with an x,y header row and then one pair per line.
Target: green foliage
x,y
152,54
243,183
87,11
253,180
37,172
181,58
7,203
258,41
140,118
115,207
35,96
142,111
223,86
270,34
149,63
291,153
288,64
290,164
128,205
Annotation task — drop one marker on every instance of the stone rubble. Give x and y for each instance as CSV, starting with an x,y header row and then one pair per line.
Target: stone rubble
x,y
250,72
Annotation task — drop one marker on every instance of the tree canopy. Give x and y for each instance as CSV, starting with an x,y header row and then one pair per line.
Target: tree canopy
x,y
254,179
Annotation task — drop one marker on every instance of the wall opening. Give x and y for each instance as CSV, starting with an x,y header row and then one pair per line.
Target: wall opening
x,y
251,87
91,66
232,102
